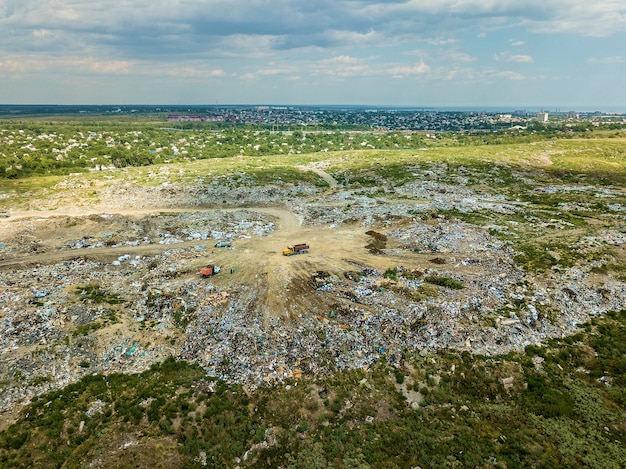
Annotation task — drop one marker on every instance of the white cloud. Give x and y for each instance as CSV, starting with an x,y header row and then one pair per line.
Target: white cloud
x,y
451,75
347,37
272,71
161,41
456,56
517,58
183,72
20,65
511,75
600,18
108,67
526,59
42,33
615,59
344,66
441,42
342,60
247,76
418,68
135,29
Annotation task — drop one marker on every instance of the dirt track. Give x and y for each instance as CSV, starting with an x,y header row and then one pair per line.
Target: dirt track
x,y
255,261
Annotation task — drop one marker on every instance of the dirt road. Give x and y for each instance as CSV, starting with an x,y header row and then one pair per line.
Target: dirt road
x,y
255,261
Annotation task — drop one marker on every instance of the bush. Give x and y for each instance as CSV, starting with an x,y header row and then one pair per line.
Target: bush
x,y
446,282
92,293
391,274
542,398
14,441
535,350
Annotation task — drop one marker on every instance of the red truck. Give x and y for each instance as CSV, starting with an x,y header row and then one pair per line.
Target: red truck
x,y
209,271
301,248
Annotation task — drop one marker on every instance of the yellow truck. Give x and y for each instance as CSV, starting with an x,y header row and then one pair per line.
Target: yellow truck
x,y
301,248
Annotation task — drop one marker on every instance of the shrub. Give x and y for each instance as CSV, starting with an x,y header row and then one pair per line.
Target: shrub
x,y
446,282
391,274
94,294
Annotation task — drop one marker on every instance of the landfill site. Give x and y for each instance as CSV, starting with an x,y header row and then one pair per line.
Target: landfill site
x,y
205,273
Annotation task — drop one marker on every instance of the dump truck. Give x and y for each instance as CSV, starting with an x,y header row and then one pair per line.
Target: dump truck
x,y
5,214
301,248
209,271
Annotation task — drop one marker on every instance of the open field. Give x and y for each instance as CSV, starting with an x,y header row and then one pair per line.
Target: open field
x,y
463,250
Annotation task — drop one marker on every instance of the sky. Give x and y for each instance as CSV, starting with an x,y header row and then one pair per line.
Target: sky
x,y
551,53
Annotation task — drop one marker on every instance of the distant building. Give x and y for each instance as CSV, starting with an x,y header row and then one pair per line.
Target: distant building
x,y
542,116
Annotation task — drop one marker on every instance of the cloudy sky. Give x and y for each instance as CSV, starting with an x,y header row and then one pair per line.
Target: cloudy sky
x,y
549,53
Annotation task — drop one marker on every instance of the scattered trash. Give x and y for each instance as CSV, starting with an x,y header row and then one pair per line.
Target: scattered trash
x,y
366,314
40,294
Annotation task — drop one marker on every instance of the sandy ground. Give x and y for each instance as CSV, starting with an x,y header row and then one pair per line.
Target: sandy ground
x,y
256,260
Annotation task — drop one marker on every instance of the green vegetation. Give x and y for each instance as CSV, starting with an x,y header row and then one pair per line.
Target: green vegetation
x,y
92,293
391,274
63,147
86,329
423,292
183,316
562,404
447,282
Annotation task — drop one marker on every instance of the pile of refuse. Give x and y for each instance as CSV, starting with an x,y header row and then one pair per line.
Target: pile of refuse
x,y
119,231
493,314
368,205
445,236
62,321
225,191
59,322
497,309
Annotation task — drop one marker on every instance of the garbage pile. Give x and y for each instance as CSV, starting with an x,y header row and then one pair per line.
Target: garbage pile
x,y
445,236
225,191
498,309
119,231
368,205
19,239
64,320
376,320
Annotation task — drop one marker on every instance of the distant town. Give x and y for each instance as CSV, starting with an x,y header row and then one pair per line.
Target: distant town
x,y
393,119
332,117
